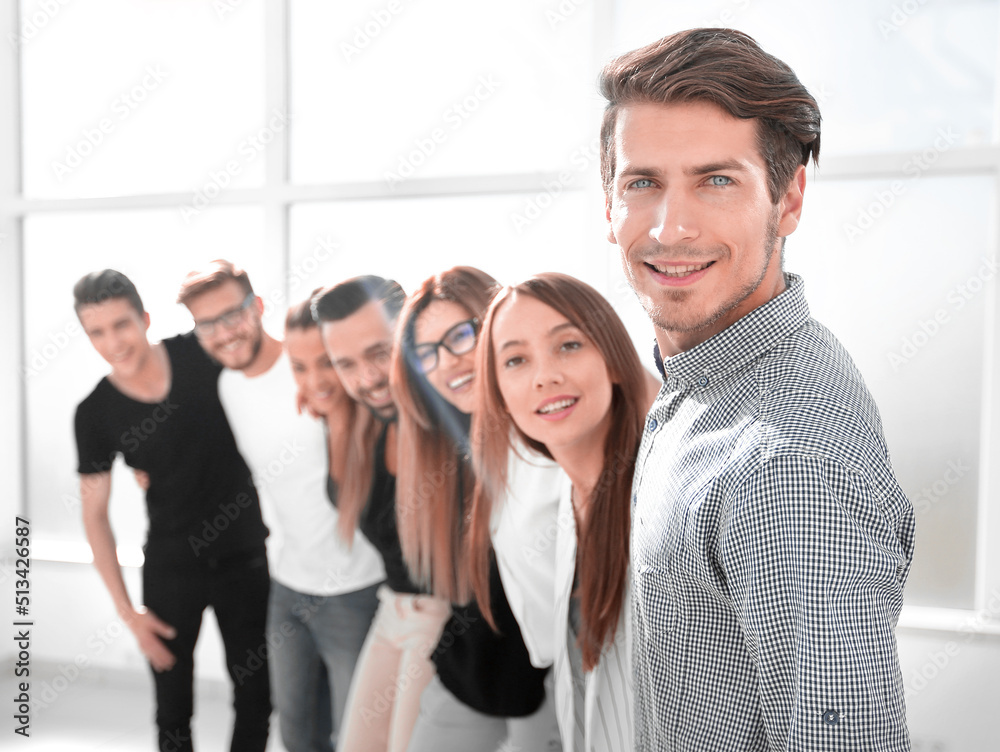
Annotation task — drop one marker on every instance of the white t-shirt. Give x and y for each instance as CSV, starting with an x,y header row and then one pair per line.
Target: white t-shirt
x,y
524,533
287,455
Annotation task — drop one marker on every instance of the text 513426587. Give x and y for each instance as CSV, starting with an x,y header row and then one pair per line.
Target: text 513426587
x,y
22,626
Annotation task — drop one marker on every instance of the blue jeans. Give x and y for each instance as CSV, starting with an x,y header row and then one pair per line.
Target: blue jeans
x,y
446,724
315,641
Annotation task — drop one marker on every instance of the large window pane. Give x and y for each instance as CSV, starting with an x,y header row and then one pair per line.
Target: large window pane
x,y
411,239
891,75
155,249
141,96
439,87
907,295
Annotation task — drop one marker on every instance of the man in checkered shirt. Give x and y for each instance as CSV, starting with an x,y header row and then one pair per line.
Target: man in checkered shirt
x,y
770,538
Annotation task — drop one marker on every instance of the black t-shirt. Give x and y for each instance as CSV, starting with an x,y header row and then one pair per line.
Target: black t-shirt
x,y
378,522
486,671
201,500
489,672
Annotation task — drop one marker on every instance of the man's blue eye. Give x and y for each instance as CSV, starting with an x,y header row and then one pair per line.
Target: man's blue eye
x,y
720,180
642,183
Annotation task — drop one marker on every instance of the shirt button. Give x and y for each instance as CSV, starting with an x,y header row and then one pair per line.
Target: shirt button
x,y
703,381
831,717
652,424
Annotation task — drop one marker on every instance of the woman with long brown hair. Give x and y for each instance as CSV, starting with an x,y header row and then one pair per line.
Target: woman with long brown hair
x,y
558,372
486,692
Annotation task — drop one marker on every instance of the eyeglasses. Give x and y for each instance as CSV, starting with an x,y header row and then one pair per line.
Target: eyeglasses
x,y
228,319
458,340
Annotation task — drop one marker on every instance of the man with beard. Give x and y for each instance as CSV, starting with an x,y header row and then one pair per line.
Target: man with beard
x,y
159,408
357,320
770,538
322,596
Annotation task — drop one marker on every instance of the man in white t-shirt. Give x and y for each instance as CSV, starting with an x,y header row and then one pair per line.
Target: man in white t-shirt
x,y
323,591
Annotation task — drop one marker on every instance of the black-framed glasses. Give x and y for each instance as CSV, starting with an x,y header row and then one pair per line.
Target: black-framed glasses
x,y
458,340
228,319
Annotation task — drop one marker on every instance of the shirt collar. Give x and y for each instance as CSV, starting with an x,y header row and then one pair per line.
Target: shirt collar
x,y
744,341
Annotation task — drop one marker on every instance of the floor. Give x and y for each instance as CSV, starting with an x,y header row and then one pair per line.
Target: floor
x,y
113,712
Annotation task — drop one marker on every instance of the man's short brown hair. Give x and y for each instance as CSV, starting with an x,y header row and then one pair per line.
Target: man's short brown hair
x,y
728,69
107,284
213,275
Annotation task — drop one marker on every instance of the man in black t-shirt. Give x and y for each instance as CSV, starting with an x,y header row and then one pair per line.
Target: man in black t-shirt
x,y
159,408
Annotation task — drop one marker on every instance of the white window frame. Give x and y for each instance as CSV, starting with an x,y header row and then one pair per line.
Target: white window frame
x,y
277,196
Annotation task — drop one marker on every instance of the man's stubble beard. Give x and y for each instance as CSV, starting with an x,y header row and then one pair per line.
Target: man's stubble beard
x,y
679,325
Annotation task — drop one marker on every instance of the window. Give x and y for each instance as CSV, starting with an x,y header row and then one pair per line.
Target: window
x,y
309,141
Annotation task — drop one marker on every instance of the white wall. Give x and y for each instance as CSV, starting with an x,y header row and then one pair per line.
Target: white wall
x,y
950,673
954,708
11,411
76,624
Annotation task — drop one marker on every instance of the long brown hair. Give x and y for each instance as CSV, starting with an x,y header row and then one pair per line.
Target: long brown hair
x,y
434,480
603,537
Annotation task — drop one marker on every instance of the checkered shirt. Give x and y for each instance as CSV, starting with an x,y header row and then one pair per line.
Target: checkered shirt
x,y
770,545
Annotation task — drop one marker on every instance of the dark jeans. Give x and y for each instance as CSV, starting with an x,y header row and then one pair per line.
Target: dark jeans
x,y
236,587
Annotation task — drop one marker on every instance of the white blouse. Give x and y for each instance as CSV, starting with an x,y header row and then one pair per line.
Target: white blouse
x,y
605,722
524,532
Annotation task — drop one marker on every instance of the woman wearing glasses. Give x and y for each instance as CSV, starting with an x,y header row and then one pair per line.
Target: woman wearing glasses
x,y
486,690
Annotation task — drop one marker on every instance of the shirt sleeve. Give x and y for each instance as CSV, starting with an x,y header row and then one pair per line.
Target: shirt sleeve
x,y
94,449
816,555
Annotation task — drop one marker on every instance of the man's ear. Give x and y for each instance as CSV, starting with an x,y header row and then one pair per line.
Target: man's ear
x,y
790,205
